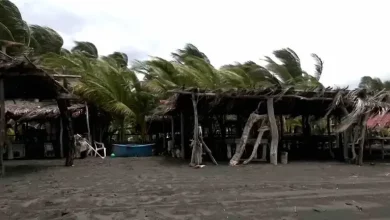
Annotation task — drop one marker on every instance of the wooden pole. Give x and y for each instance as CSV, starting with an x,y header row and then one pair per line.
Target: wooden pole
x,y
88,128
196,156
164,134
182,135
362,137
68,131
173,132
2,125
61,139
274,131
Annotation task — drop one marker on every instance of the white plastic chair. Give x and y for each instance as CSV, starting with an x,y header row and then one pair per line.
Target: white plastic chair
x,y
98,147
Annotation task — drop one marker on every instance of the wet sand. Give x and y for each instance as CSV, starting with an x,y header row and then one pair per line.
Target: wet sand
x,y
160,188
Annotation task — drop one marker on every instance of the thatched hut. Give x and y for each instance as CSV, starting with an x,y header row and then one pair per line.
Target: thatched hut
x,y
21,79
266,109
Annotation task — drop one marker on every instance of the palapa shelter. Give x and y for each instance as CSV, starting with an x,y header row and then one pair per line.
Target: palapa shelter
x,y
261,106
21,79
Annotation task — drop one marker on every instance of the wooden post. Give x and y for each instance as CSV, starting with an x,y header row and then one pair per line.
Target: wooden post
x,y
274,131
68,141
362,137
61,139
88,128
164,134
182,135
196,156
2,125
173,133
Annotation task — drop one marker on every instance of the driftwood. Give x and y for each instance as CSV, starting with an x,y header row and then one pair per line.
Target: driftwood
x,y
363,127
207,149
244,138
196,155
274,131
258,141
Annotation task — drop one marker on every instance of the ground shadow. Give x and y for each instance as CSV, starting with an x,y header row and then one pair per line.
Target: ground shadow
x,y
14,170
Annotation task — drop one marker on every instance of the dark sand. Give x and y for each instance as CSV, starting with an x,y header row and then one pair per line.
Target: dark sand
x,y
159,188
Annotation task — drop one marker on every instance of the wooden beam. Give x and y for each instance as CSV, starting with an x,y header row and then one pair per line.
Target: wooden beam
x,y
42,74
67,96
60,76
256,96
2,125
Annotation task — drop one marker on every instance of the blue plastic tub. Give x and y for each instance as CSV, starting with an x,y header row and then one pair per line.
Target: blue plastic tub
x,y
133,150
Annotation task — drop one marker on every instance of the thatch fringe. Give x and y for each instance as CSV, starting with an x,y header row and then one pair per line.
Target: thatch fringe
x,y
29,110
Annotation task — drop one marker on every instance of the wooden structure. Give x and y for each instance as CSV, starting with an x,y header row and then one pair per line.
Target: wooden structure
x,y
20,79
265,109
37,126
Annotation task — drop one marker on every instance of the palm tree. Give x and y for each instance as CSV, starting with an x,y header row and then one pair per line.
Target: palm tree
x,y
253,75
87,48
118,91
290,72
373,84
14,31
189,50
16,36
45,40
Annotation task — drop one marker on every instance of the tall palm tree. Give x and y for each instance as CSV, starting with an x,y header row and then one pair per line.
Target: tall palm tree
x,y
373,84
45,40
87,48
189,50
254,76
117,90
14,31
290,72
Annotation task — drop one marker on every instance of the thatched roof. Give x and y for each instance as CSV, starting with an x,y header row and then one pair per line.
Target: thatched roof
x,y
289,101
30,110
244,101
24,80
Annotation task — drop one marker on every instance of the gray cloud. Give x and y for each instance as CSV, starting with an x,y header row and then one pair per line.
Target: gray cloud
x,y
59,19
134,53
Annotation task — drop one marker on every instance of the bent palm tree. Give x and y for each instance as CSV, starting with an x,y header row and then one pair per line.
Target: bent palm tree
x,y
290,72
14,31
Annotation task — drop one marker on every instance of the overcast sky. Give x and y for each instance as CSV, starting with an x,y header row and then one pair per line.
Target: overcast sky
x,y
351,36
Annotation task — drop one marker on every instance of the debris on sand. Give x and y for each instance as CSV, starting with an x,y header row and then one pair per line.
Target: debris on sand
x,y
64,212
318,210
348,203
199,166
359,208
